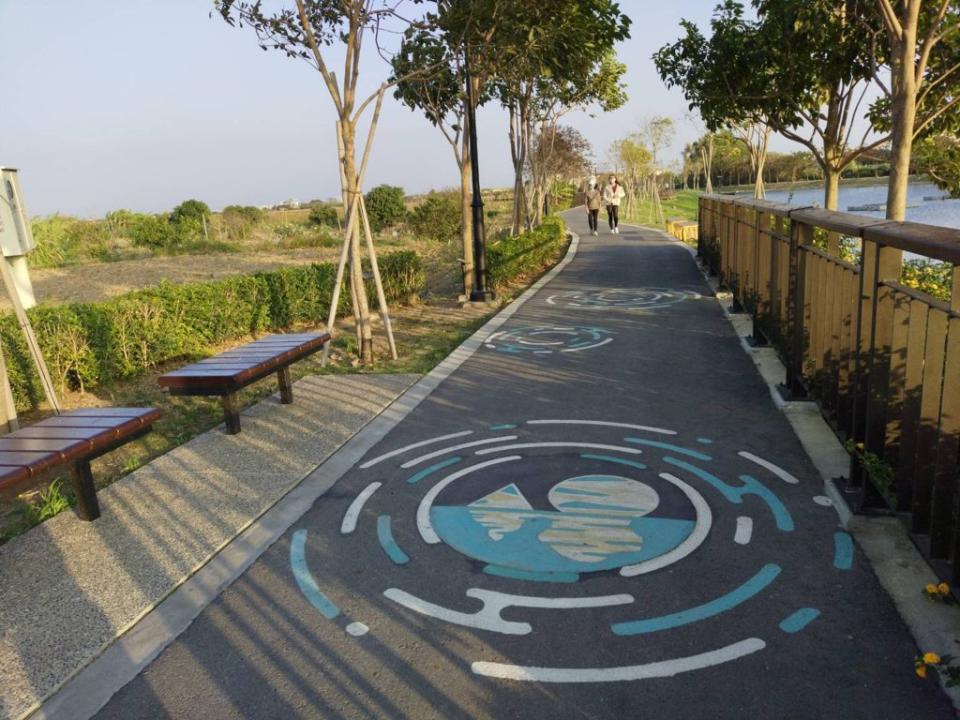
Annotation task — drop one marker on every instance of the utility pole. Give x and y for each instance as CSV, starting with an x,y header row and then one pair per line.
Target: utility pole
x,y
481,291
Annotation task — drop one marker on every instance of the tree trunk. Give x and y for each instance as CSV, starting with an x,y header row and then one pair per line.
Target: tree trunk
x,y
466,209
359,295
903,110
831,188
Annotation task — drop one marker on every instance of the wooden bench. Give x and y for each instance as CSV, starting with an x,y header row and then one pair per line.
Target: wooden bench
x,y
73,439
225,374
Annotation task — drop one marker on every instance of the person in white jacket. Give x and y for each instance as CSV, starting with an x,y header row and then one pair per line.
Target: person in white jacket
x,y
613,193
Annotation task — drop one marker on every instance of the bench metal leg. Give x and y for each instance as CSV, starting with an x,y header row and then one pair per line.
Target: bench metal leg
x,y
231,415
81,480
286,387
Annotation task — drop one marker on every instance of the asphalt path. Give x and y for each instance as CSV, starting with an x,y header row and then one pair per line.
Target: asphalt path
x,y
600,514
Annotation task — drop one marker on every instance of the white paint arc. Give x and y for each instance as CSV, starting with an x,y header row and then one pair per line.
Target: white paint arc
x,y
700,531
454,448
352,514
744,530
423,510
661,669
775,469
588,347
413,446
603,423
592,446
488,618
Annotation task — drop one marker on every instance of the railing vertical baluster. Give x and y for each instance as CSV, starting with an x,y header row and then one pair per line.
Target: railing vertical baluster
x,y
801,235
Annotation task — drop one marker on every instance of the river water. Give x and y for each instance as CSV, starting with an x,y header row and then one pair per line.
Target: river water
x,y
921,208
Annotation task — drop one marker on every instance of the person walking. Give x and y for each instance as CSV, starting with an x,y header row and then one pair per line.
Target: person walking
x,y
594,200
613,193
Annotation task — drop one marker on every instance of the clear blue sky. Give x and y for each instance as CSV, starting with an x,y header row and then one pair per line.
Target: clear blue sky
x,y
143,103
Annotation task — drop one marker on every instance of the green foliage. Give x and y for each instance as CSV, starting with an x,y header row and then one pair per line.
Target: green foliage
x,y
238,220
188,220
52,502
929,276
880,472
385,206
88,344
438,217
324,215
155,232
939,158
527,254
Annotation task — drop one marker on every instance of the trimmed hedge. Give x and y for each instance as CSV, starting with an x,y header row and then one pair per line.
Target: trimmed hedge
x,y
526,254
88,344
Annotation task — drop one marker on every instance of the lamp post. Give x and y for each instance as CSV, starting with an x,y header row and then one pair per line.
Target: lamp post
x,y
480,292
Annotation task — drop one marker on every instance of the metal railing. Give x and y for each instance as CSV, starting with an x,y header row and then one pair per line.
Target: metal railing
x,y
881,359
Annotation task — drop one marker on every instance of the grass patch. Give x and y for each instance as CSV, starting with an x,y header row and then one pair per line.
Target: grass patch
x,y
684,204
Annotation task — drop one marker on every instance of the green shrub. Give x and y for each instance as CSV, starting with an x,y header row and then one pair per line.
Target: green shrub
x,y
88,344
385,206
154,232
437,217
52,239
324,215
524,255
238,220
929,276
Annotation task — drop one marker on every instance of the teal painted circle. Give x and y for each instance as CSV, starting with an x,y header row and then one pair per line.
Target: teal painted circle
x,y
596,522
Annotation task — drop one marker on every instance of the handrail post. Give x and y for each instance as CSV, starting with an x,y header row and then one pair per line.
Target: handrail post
x,y
879,264
801,234
761,234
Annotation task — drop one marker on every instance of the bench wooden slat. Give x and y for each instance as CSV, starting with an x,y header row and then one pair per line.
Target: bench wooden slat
x,y
67,447
49,431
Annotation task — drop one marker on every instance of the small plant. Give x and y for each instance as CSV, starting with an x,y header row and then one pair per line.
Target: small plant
x,y
879,471
51,502
942,666
938,593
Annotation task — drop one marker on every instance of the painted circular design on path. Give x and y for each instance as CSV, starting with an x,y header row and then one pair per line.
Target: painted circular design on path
x,y
575,516
546,339
649,298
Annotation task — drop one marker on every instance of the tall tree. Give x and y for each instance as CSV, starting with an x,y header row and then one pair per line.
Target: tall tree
x,y
924,63
803,68
305,31
435,83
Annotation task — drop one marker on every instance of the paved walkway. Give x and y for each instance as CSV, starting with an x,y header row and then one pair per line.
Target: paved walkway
x,y
600,514
69,588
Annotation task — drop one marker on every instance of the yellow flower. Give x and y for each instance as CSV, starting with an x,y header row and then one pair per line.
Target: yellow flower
x,y
931,658
943,589
931,589
921,671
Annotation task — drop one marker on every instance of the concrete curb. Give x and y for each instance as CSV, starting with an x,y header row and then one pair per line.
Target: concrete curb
x,y
895,560
91,688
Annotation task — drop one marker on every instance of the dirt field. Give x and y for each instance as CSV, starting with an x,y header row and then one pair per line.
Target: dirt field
x,y
99,281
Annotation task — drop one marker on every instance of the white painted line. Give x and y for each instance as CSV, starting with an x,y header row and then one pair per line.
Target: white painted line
x,y
594,446
823,500
423,510
700,531
357,629
478,621
493,599
488,618
662,669
602,423
775,469
744,530
589,347
352,514
405,448
452,448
